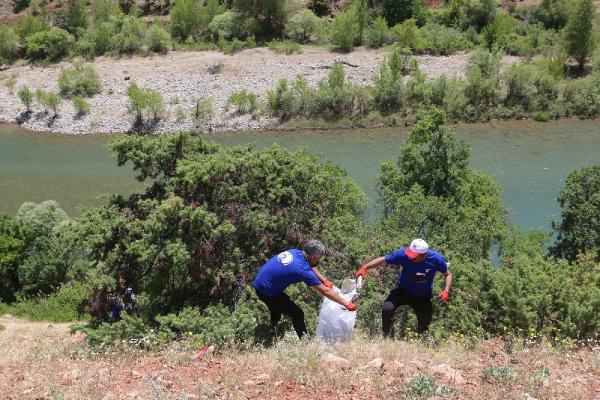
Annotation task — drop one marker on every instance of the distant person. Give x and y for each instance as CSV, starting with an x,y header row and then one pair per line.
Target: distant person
x,y
414,284
285,269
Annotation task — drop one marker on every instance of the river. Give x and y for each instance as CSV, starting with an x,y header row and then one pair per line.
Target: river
x,y
530,160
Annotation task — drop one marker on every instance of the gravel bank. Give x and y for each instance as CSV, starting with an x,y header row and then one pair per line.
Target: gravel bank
x,y
182,77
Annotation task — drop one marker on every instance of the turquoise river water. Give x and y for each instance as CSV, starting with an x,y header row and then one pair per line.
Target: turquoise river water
x,y
529,160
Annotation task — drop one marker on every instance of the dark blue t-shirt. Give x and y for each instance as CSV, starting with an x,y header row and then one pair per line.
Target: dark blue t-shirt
x,y
284,270
417,278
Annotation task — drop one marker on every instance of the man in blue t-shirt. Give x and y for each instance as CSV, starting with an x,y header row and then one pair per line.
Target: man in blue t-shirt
x,y
415,283
285,269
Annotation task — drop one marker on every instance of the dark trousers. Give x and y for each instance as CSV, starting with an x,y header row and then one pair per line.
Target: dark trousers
x,y
282,304
400,297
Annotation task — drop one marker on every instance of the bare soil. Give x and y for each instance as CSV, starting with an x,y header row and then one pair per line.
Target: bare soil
x,y
44,361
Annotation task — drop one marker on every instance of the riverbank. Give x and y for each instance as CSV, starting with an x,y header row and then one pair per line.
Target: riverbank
x,y
183,77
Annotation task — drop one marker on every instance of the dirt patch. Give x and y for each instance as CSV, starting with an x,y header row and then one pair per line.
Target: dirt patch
x,y
41,360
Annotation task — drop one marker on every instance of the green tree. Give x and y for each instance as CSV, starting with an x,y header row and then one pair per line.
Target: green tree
x,y
211,216
477,13
8,44
431,158
578,32
301,26
344,30
432,193
26,97
579,227
266,17
397,11
552,13
12,253
50,254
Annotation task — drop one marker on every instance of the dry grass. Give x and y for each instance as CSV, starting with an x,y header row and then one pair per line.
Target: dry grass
x,y
40,360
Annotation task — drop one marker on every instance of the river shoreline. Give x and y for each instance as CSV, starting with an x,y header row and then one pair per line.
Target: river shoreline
x,y
183,77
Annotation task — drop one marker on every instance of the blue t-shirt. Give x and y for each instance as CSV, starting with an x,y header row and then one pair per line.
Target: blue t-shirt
x,y
284,270
417,277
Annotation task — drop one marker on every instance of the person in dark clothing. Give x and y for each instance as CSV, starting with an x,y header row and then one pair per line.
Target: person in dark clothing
x,y
287,268
414,284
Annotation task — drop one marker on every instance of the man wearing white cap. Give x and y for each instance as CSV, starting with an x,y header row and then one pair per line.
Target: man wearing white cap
x,y
414,284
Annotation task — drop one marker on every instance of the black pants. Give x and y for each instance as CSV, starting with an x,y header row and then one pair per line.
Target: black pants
x,y
282,304
400,297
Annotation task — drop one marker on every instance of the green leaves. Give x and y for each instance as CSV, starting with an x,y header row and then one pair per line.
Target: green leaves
x,y
212,216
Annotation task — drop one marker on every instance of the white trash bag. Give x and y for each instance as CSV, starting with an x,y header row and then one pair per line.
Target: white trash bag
x,y
335,322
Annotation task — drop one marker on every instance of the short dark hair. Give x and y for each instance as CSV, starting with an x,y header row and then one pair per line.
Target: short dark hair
x,y
314,247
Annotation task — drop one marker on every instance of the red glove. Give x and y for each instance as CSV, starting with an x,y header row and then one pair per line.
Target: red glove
x,y
328,284
444,296
351,307
361,272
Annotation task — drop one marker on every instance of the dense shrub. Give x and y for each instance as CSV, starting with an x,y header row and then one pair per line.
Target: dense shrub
x,y
190,18
265,18
28,25
130,37
50,45
26,97
407,34
552,13
81,106
144,101
301,26
444,41
105,9
377,35
158,40
8,44
343,31
82,80
579,227
487,62
244,102
582,96
396,11
389,91
320,7
12,254
579,38
207,206
60,306
51,256
477,13
286,47
225,25
20,5
520,80
77,16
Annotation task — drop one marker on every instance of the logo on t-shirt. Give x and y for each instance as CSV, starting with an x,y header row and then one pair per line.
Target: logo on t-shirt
x,y
285,258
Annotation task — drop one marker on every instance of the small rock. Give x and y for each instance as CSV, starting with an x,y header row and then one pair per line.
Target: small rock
x,y
168,384
448,374
127,78
20,376
527,396
27,391
136,374
69,377
393,367
332,361
257,380
4,67
376,363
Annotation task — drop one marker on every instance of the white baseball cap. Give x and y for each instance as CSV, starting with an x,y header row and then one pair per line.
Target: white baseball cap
x,y
417,246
